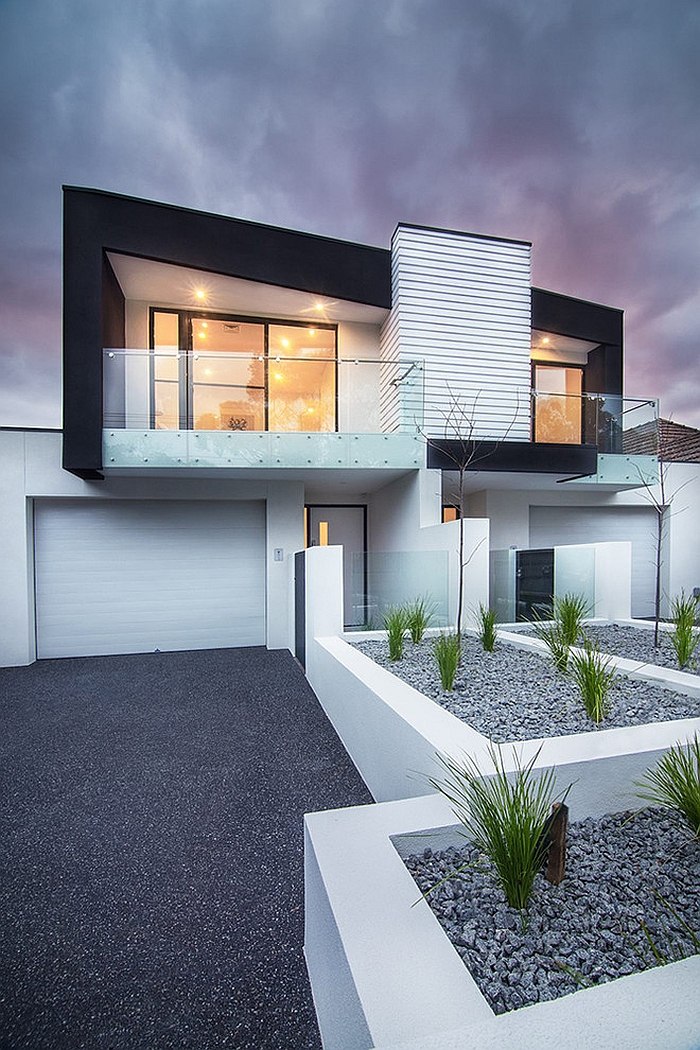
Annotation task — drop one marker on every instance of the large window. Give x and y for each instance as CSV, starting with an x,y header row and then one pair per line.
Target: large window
x,y
211,372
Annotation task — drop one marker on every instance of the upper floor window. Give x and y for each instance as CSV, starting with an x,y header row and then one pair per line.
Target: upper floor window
x,y
214,372
558,408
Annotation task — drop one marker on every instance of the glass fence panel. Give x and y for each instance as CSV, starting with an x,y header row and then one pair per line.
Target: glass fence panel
x,y
384,579
574,573
502,576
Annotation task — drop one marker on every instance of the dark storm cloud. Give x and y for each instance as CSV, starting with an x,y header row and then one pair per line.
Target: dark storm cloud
x,y
571,124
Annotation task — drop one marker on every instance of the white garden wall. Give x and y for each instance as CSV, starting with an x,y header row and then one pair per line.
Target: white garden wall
x,y
384,974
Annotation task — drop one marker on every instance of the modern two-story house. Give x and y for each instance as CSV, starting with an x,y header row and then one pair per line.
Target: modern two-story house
x,y
234,392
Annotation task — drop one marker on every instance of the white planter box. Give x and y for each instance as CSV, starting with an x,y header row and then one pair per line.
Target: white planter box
x,y
385,975
392,732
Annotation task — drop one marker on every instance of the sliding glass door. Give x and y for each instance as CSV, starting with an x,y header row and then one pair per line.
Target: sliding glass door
x,y
227,373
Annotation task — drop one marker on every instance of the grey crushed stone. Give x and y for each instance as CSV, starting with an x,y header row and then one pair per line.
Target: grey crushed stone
x,y
511,694
587,929
637,643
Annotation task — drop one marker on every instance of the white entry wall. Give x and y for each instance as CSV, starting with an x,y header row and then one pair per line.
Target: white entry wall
x,y
558,526
139,575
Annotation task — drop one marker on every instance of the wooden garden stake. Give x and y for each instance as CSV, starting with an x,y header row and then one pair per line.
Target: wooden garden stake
x,y
556,855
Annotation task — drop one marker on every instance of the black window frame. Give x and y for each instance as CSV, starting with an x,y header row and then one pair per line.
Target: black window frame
x,y
185,379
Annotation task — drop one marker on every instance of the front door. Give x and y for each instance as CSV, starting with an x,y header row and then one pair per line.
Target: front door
x,y
534,591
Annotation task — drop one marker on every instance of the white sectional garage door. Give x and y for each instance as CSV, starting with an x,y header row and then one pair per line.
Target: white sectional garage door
x,y
134,576
552,526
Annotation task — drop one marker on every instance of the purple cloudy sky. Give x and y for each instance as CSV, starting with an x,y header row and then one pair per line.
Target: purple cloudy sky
x,y
570,123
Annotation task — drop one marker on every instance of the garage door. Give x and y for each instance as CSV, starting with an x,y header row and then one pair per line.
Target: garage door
x,y
552,526
135,576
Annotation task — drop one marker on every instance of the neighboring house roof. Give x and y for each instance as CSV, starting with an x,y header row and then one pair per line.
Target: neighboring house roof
x,y
674,442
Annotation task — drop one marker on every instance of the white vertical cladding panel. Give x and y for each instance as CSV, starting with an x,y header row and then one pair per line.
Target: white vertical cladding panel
x,y
390,349
462,303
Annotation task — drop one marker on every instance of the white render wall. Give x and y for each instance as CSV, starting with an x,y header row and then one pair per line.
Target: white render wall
x,y
30,468
405,516
385,975
462,303
508,511
682,486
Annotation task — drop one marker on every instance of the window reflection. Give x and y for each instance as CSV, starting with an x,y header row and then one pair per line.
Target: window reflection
x,y
241,375
558,404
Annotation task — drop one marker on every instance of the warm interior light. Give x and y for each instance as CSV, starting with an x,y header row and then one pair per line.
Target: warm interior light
x,y
318,306
278,376
207,371
323,533
284,341
200,294
545,340
311,410
204,324
312,331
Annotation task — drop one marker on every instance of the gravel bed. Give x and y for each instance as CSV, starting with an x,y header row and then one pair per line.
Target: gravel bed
x,y
637,643
495,692
584,931
633,643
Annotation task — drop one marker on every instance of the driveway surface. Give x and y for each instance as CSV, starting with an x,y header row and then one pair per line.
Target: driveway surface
x,y
151,862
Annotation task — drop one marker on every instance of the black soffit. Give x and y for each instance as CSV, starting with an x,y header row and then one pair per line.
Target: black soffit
x,y
522,457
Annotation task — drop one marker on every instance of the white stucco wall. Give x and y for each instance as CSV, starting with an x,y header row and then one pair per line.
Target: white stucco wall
x,y
683,488
508,511
405,516
30,468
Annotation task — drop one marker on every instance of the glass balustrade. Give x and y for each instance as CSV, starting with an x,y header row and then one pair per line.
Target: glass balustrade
x,y
614,424
236,392
185,405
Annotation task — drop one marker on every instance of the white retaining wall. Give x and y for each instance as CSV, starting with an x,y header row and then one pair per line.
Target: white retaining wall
x,y
384,974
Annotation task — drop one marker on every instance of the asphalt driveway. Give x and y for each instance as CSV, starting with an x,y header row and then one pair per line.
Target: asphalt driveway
x,y
151,863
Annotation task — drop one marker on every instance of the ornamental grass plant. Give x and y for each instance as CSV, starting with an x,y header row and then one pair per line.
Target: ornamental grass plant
x,y
564,629
553,637
592,673
447,651
505,815
569,612
396,625
420,613
685,635
674,783
486,628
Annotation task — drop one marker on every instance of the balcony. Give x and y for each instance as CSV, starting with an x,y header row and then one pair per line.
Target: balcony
x,y
600,439
171,409
199,410
623,430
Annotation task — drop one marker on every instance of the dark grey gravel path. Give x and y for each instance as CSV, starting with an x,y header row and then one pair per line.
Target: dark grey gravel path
x,y
151,873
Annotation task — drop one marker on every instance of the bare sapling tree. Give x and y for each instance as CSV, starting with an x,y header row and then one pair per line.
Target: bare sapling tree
x,y
660,498
463,450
